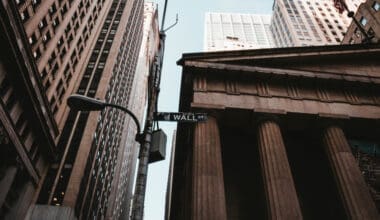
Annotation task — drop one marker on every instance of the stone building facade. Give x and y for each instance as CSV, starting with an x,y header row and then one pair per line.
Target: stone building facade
x,y
368,15
57,162
282,125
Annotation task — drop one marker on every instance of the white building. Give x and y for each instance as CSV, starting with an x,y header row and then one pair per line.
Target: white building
x,y
230,31
309,22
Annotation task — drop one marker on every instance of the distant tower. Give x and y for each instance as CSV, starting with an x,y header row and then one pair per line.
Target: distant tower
x,y
311,22
229,31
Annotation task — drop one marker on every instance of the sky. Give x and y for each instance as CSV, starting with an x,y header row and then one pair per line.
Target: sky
x,y
186,36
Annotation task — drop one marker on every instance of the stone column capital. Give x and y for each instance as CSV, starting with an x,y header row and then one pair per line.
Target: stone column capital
x,y
265,117
212,113
328,120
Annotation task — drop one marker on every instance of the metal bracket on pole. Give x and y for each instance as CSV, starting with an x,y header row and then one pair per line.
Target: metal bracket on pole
x,y
175,23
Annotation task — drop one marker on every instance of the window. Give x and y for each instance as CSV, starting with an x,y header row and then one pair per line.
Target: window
x,y
371,32
42,24
52,9
64,10
363,21
35,2
46,37
37,54
19,2
376,6
24,15
32,39
55,22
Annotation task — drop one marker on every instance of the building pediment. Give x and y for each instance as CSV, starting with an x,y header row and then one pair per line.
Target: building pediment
x,y
327,80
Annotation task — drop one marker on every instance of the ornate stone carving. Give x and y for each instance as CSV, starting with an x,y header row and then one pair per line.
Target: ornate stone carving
x,y
231,87
200,83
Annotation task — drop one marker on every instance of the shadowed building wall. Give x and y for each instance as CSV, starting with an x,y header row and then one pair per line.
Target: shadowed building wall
x,y
51,49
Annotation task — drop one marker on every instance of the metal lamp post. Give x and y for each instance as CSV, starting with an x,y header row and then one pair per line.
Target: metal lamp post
x,y
154,88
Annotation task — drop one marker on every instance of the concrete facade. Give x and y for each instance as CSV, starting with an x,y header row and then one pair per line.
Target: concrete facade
x,y
278,141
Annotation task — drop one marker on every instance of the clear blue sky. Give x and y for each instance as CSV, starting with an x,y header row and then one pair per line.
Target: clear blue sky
x,y
186,36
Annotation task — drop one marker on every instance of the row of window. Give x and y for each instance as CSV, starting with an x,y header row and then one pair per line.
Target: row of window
x,y
70,37
60,60
117,92
93,74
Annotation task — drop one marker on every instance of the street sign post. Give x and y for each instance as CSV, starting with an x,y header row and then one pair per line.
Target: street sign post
x,y
180,116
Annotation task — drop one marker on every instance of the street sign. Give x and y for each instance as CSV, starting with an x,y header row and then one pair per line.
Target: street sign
x,y
180,116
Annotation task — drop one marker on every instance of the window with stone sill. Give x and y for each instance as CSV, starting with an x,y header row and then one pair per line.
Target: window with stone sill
x,y
363,21
32,39
37,54
42,24
36,3
19,2
52,9
371,31
55,22
376,6
46,37
357,32
24,15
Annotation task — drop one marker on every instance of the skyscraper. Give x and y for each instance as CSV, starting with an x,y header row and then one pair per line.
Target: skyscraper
x,y
121,195
56,156
232,31
309,22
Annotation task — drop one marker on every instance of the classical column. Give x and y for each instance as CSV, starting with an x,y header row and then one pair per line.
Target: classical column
x,y
282,200
352,187
208,199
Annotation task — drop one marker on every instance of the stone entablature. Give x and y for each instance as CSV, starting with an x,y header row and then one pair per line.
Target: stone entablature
x,y
289,90
299,89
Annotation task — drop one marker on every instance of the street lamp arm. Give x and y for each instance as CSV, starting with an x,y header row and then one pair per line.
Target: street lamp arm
x,y
138,135
84,103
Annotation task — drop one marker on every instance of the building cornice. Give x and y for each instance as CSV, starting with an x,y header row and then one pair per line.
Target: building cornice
x,y
265,71
281,53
